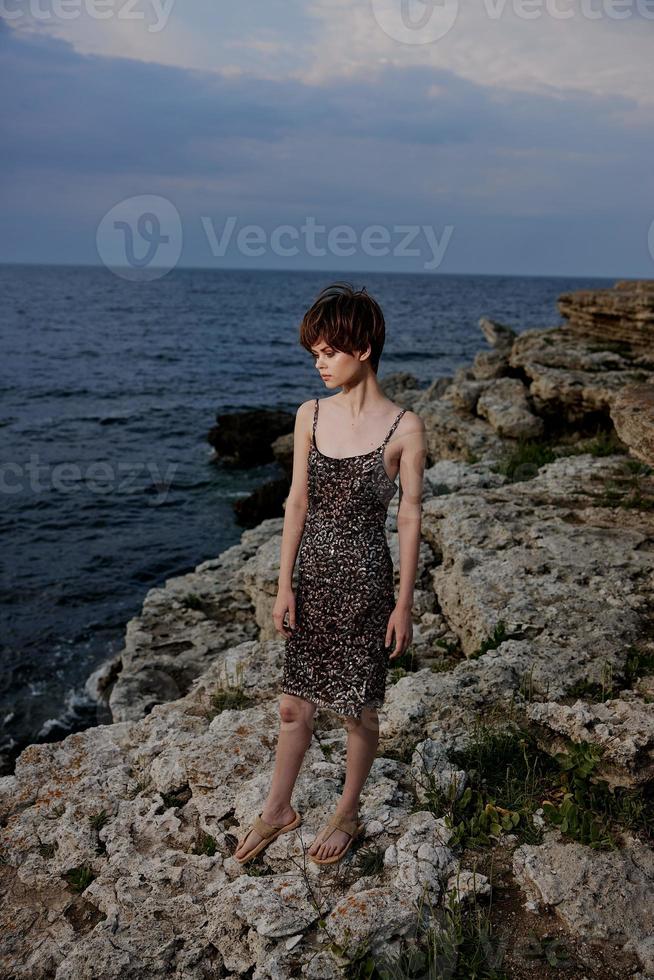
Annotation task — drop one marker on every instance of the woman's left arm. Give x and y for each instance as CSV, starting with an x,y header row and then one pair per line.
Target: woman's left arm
x,y
409,516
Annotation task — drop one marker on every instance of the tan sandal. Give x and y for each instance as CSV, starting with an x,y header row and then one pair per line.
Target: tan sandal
x,y
351,827
268,831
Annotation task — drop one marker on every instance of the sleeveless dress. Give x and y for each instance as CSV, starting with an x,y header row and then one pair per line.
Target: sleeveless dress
x,y
335,656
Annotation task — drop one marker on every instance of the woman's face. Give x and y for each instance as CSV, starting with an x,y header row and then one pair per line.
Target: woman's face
x,y
336,367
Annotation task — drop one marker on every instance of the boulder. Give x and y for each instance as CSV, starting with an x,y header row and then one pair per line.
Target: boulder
x,y
622,316
597,895
570,376
632,413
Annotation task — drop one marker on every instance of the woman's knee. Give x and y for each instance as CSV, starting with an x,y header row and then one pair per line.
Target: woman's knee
x,y
294,710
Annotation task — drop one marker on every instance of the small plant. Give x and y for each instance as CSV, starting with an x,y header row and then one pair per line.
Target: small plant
x,y
229,695
98,821
585,806
578,822
475,821
551,949
48,850
638,468
527,686
524,460
140,786
357,964
637,663
138,772
604,442
369,861
576,814
634,808
204,844
192,601
602,690
408,662
449,646
499,635
460,946
631,489
257,868
507,776
80,877
396,674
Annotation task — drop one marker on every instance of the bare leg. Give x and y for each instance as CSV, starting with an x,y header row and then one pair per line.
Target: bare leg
x,y
295,734
362,742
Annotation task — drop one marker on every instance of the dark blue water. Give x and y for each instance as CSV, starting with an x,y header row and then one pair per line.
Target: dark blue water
x,y
108,391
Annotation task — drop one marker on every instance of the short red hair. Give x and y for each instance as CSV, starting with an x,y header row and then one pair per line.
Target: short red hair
x,y
347,319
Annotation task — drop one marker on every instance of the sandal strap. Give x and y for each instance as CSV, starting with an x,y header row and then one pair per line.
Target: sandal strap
x,y
344,823
264,829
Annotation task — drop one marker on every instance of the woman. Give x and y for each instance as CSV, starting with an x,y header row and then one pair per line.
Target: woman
x,y
348,450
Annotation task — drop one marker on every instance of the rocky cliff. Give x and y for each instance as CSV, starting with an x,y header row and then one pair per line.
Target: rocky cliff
x,y
510,811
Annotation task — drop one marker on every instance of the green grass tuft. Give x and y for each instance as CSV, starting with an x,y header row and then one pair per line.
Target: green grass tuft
x,y
499,635
523,461
80,877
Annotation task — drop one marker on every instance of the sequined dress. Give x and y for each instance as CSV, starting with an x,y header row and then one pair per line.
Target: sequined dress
x,y
344,595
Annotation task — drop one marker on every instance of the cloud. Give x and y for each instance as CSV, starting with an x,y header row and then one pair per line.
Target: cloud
x,y
405,143
492,43
96,114
596,47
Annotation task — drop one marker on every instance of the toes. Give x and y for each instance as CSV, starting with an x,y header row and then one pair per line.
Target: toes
x,y
322,848
246,845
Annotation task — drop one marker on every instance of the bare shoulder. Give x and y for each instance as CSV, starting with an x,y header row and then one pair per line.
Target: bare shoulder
x,y
310,404
306,408
411,422
411,434
304,419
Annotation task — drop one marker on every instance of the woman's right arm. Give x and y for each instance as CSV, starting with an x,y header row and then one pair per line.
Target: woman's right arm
x,y
295,512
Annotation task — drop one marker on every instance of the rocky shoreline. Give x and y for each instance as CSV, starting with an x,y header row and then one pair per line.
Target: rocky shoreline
x,y
510,811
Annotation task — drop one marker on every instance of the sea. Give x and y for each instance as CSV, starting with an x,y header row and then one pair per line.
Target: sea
x,y
108,390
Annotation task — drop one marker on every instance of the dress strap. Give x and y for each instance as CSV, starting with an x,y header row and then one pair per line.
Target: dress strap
x,y
315,419
393,427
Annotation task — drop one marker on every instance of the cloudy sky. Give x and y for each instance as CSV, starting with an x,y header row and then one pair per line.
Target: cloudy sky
x,y
480,136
